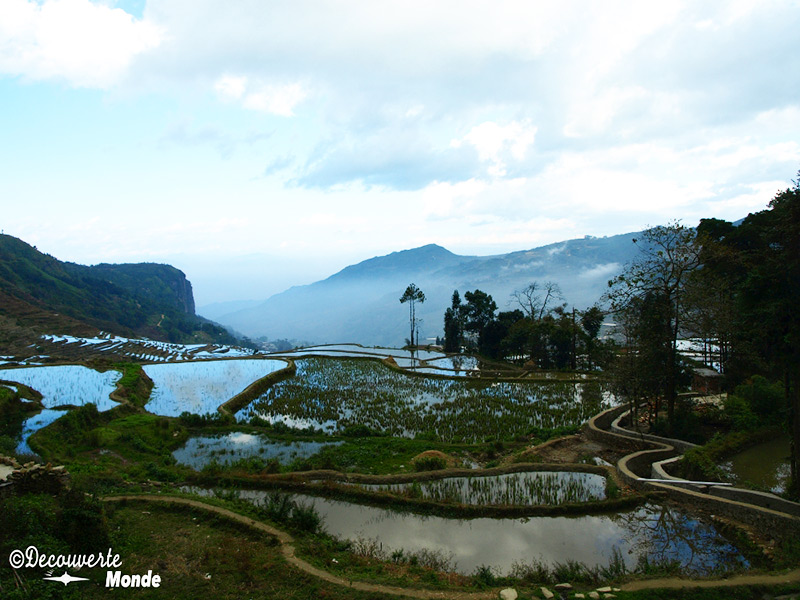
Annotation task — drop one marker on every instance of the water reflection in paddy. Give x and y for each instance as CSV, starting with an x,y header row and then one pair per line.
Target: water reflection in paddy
x,y
200,387
520,489
766,465
34,424
337,394
659,532
225,449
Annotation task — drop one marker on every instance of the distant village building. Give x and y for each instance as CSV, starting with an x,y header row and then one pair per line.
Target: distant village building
x,y
706,381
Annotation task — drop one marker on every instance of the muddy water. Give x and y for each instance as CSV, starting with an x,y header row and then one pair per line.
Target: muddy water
x,y
764,465
660,533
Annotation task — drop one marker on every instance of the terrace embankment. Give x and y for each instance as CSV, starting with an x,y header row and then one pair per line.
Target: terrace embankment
x,y
345,486
771,515
255,389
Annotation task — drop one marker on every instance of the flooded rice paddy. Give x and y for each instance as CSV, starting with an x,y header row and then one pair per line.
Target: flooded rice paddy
x,y
333,394
34,424
226,449
510,489
67,385
656,533
764,465
200,387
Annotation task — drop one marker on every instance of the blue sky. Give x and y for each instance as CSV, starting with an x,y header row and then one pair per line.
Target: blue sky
x,y
259,144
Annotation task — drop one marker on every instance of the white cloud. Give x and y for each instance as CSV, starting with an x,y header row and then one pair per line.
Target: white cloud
x,y
497,143
231,87
276,99
83,43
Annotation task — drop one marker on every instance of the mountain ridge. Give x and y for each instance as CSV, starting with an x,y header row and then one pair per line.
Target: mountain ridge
x,y
360,303
52,296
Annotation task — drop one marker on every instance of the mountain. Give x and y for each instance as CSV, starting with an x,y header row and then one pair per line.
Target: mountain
x,y
361,303
50,296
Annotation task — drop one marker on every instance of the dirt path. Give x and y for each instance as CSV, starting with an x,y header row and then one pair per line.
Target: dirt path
x,y
287,549
674,582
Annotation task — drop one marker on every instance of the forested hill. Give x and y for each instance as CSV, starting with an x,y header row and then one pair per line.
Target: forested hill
x,y
51,296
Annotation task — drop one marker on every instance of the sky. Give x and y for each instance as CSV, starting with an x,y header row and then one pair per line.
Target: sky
x,y
258,144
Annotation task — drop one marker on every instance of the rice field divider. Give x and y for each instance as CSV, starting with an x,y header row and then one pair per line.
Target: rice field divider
x,y
257,388
340,486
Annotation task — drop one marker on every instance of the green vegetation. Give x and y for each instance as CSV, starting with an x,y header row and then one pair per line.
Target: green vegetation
x,y
142,299
135,384
338,394
13,411
540,332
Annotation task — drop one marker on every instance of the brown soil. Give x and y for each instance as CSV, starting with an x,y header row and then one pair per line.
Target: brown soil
x,y
570,449
449,460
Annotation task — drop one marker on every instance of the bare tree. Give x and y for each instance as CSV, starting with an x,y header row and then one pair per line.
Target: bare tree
x,y
535,298
668,256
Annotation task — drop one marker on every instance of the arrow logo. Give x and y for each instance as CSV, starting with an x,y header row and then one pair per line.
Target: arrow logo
x,y
66,578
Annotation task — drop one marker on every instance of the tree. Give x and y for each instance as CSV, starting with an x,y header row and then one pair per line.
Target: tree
x,y
412,295
591,321
536,297
454,325
478,312
668,256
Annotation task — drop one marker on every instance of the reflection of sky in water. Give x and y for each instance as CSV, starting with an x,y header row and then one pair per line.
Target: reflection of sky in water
x,y
455,362
67,384
200,387
199,451
355,350
35,423
657,531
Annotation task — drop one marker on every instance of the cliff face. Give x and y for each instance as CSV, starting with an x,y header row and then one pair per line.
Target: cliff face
x,y
163,284
144,299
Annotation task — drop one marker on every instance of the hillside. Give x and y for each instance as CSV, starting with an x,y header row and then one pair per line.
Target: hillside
x,y
45,295
361,302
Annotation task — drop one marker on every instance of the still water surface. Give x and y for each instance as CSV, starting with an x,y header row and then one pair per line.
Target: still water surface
x,y
659,532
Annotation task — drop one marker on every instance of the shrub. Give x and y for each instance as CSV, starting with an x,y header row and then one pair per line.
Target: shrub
x,y
764,399
484,576
306,518
430,463
741,415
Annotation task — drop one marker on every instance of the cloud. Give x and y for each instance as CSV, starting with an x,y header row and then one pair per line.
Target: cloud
x,y
184,133
277,99
80,42
396,157
497,144
278,164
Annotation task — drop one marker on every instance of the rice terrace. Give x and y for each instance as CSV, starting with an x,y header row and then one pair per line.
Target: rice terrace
x,y
324,300
394,472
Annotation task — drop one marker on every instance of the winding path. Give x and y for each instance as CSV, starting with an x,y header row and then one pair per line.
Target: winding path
x,y
287,549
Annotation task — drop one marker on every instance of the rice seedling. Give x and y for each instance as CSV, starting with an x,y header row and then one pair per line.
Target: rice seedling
x,y
200,387
334,394
510,489
67,385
